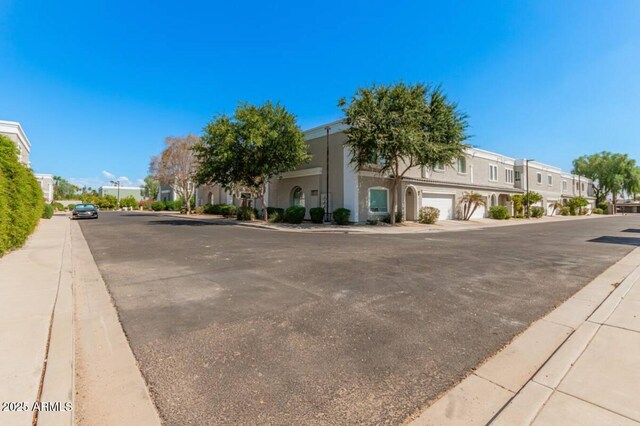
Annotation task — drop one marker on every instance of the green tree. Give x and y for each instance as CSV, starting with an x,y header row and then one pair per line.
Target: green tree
x,y
250,148
150,187
396,127
530,198
612,173
129,201
63,189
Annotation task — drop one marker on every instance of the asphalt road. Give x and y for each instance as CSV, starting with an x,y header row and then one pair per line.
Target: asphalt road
x,y
235,325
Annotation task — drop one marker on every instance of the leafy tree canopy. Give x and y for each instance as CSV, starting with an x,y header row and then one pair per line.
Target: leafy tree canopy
x,y
612,173
250,148
400,126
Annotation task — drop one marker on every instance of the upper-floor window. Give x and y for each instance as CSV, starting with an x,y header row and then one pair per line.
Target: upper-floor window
x,y
539,177
462,165
508,175
493,172
550,179
564,185
518,176
438,167
582,186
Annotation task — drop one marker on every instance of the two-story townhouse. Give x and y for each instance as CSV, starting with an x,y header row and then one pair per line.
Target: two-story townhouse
x,y
555,186
329,180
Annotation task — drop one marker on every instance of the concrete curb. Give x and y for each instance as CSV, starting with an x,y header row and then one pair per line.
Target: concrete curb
x,y
110,389
372,230
512,385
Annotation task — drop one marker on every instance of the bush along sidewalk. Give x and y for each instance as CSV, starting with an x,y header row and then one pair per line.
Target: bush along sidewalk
x,y
21,200
341,216
317,214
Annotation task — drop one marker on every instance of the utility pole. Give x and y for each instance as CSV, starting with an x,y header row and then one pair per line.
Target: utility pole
x,y
117,183
327,213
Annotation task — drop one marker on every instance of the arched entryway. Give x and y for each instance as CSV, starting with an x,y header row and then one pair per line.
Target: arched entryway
x,y
411,204
297,196
493,201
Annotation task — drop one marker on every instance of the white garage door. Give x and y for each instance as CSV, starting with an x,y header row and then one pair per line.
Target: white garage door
x,y
479,213
442,202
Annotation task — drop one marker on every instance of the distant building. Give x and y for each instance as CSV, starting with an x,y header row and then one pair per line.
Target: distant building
x,y
46,183
13,130
125,191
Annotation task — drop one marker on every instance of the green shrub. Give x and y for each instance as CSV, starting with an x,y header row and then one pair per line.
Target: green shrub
x,y
499,212
565,211
71,207
129,201
317,214
294,214
107,202
275,214
47,213
537,211
228,210
428,215
21,201
604,207
373,220
199,210
597,211
171,205
157,206
341,216
387,218
519,216
245,213
58,207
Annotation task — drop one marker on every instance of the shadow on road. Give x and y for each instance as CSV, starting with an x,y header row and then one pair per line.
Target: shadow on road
x,y
186,222
629,241
634,230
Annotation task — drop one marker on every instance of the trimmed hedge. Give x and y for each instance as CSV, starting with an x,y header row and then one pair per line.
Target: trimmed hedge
x,y
157,206
341,216
499,212
317,214
597,211
275,214
21,200
228,210
294,214
246,213
399,218
537,211
47,212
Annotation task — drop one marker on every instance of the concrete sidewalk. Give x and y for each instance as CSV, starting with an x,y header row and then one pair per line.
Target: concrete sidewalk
x,y
579,365
36,328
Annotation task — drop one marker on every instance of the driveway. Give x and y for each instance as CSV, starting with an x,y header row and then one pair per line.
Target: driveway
x,y
249,326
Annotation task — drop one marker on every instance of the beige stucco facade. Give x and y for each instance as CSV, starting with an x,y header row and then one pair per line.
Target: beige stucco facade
x,y
495,176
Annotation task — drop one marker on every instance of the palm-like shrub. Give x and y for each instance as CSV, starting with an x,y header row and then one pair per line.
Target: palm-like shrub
x,y
469,203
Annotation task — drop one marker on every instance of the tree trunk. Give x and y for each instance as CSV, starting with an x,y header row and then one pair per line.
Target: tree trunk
x,y
264,203
394,196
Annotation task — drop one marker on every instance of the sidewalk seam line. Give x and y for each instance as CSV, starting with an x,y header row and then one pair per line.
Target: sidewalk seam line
x,y
34,419
599,406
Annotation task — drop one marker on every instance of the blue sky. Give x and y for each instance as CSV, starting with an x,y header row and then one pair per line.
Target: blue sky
x,y
98,85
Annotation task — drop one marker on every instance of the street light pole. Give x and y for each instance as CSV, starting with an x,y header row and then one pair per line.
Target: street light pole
x,y
527,196
328,128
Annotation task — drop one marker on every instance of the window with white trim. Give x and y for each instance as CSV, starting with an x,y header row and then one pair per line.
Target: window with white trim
x,y
518,176
493,173
582,186
438,167
539,178
564,185
378,200
550,179
462,165
508,175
